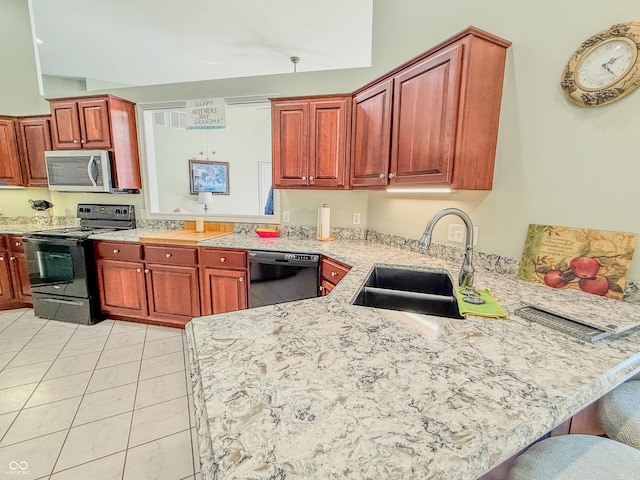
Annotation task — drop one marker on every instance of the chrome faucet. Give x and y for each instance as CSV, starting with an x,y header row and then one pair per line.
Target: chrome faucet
x,y
465,279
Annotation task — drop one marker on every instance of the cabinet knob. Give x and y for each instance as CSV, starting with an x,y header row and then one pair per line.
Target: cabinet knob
x,y
223,259
391,175
333,274
138,270
304,177
12,258
241,279
115,250
18,244
382,175
75,141
1,259
168,255
83,141
321,288
146,270
311,177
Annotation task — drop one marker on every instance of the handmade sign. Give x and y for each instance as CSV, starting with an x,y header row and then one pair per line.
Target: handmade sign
x,y
594,261
204,113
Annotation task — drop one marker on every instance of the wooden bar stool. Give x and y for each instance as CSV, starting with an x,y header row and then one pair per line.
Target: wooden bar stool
x,y
619,413
577,457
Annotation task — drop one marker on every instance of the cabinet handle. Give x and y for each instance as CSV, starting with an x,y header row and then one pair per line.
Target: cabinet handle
x,y
146,270
391,175
304,177
333,274
115,250
168,255
241,279
138,270
382,175
75,141
311,177
223,259
18,244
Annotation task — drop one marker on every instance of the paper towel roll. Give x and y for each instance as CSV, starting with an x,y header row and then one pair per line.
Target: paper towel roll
x,y
199,224
324,221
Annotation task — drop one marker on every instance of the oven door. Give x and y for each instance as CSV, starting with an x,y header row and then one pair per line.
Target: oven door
x,y
58,266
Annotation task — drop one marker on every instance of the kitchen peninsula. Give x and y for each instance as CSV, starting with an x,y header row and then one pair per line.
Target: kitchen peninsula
x,y
321,388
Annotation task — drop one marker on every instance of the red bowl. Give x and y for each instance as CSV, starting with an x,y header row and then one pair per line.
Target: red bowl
x,y
267,232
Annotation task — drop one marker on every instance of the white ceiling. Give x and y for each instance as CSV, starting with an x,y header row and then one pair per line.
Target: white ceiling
x,y
149,42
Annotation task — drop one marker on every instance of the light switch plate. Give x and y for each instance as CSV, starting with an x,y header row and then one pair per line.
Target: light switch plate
x,y
456,233
285,216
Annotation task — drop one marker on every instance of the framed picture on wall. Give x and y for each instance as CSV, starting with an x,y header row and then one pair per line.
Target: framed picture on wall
x,y
209,176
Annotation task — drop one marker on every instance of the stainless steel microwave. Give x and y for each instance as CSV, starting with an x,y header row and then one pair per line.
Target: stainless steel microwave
x,y
78,170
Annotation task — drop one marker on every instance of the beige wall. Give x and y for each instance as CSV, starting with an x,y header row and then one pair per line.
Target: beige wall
x,y
556,163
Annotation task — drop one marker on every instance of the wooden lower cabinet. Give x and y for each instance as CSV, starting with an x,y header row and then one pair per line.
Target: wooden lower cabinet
x,y
224,290
169,284
172,292
224,280
331,272
122,288
15,289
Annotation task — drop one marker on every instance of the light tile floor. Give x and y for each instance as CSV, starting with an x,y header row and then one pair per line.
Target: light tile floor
x,y
110,401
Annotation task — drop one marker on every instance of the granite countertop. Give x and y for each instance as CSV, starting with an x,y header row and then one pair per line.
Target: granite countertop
x,y
321,388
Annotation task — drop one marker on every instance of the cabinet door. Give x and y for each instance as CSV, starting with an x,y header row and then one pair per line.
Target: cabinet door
x,y
65,125
224,290
122,288
95,131
290,144
173,292
20,277
10,172
371,136
35,134
329,122
424,119
6,294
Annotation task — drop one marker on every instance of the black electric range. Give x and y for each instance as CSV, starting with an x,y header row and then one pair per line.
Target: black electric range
x,y
61,263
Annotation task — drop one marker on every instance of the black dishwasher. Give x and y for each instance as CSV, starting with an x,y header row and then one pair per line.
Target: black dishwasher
x,y
278,277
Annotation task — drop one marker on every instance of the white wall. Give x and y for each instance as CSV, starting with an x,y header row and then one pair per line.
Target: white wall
x,y
556,163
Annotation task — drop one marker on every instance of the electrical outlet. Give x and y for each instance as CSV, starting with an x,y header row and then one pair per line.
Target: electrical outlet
x,y
356,218
285,216
1,212
457,232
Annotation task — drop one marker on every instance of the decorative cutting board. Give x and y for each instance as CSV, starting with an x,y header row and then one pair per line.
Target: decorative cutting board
x,y
593,261
189,236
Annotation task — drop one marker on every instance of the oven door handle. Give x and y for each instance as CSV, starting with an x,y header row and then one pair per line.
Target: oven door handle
x,y
51,241
57,300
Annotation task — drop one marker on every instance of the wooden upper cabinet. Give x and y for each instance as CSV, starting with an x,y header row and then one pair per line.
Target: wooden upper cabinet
x,y
100,122
444,121
310,141
424,116
10,169
371,135
35,135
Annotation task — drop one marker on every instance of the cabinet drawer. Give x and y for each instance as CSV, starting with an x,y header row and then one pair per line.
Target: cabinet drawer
x,y
224,258
128,252
170,255
15,244
333,271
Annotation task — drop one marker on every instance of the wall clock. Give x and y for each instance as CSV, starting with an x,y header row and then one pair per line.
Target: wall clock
x,y
605,67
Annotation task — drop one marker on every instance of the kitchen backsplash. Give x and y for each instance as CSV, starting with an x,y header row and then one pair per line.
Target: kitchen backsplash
x,y
482,261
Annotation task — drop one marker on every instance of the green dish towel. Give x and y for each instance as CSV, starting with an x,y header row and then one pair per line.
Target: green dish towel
x,y
489,308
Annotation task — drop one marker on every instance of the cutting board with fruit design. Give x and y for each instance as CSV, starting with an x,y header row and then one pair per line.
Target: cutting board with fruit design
x,y
593,261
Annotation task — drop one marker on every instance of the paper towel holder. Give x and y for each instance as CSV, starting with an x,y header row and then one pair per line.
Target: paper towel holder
x,y
326,218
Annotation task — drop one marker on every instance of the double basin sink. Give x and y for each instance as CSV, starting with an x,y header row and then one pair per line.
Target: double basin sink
x,y
417,291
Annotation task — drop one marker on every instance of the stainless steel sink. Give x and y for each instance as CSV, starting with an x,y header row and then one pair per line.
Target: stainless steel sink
x,y
417,291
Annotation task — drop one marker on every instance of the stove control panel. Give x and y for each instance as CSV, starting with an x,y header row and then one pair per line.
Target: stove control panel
x,y
88,211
